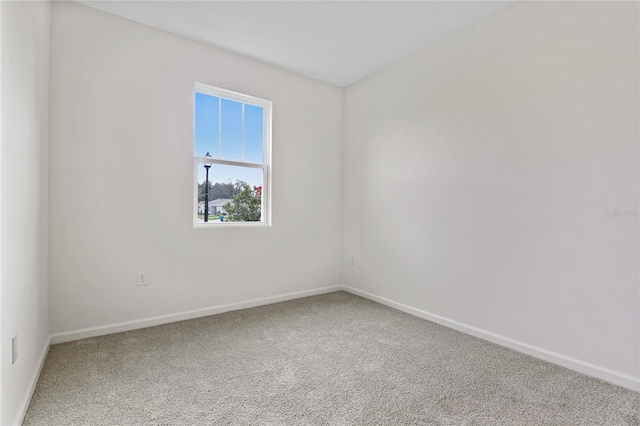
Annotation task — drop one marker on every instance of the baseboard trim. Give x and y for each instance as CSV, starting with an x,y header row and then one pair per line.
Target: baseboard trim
x,y
596,371
84,333
33,381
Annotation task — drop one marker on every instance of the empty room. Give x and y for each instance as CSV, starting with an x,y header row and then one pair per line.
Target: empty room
x,y
319,212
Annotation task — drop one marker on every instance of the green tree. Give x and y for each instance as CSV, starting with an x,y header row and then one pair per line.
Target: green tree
x,y
201,190
218,190
246,204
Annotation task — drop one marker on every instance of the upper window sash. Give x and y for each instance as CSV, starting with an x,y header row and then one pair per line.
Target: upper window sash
x,y
244,100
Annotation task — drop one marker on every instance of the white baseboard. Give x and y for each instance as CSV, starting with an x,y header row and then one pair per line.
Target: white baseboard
x,y
33,381
84,333
602,373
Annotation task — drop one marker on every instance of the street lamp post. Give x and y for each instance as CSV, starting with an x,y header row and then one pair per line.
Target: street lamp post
x,y
206,190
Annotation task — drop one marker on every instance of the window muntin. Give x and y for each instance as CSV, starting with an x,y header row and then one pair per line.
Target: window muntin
x,y
232,135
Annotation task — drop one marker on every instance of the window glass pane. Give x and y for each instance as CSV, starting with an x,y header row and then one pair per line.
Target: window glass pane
x,y
231,134
253,133
206,131
234,193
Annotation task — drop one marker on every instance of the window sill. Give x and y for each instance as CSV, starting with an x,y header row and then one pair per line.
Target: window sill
x,y
232,225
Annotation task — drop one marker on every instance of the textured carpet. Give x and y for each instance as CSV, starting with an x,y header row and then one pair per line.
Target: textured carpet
x,y
335,359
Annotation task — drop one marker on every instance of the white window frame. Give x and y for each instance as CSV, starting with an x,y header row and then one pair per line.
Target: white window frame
x,y
265,207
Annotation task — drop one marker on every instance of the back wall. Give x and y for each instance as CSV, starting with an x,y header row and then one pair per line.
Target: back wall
x,y
121,177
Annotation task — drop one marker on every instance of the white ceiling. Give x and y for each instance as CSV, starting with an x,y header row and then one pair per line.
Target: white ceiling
x,y
339,42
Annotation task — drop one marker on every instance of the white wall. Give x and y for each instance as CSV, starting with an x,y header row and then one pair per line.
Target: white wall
x,y
121,170
23,226
477,173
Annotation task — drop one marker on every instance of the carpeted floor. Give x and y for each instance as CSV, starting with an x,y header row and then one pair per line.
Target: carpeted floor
x,y
335,359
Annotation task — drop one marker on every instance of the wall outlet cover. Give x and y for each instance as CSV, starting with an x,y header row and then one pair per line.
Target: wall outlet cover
x,y
14,349
142,278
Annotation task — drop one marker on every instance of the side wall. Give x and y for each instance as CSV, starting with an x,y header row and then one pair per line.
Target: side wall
x,y
24,215
121,171
479,173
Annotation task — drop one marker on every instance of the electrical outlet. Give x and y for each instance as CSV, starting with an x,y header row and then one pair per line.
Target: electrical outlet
x,y
142,278
14,349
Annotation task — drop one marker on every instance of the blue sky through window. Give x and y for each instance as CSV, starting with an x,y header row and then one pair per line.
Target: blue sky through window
x,y
253,133
231,130
206,124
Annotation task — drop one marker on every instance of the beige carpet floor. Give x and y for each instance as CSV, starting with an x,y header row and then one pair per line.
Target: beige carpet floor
x,y
335,359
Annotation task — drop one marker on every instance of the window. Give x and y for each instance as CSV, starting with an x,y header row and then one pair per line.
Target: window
x,y
232,142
